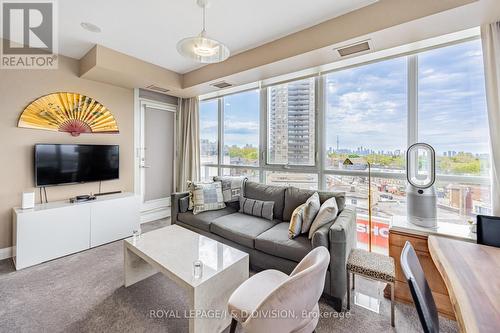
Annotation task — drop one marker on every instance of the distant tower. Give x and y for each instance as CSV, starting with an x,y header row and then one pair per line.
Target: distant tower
x,y
292,123
337,143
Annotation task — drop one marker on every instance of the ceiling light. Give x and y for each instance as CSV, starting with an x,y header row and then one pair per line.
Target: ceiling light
x,y
90,27
202,48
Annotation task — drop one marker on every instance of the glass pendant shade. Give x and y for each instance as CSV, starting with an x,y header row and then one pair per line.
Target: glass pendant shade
x,y
203,49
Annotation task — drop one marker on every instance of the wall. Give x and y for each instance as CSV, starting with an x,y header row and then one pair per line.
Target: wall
x,y
158,97
18,88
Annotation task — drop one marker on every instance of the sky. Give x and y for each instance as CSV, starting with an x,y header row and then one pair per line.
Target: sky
x,y
367,105
241,119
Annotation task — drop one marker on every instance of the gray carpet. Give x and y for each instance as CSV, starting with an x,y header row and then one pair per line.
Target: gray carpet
x,y
84,293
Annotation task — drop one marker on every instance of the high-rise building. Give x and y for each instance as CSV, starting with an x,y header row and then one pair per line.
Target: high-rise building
x,y
291,123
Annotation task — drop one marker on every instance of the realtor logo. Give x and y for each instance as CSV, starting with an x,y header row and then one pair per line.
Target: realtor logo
x,y
29,35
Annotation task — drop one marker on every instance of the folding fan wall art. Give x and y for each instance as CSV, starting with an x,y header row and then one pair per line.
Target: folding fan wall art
x,y
68,112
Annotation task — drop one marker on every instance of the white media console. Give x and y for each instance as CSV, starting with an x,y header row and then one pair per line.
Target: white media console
x,y
56,229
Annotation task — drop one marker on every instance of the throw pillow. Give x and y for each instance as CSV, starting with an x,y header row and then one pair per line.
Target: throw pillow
x,y
231,187
184,204
310,211
257,208
206,196
296,221
190,188
327,213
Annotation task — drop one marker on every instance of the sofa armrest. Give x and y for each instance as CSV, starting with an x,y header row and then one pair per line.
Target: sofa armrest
x,y
174,204
321,236
342,238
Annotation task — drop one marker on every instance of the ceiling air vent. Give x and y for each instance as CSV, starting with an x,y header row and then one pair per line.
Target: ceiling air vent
x,y
353,49
158,89
221,84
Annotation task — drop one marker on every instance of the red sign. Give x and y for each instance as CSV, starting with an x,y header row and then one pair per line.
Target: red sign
x,y
380,231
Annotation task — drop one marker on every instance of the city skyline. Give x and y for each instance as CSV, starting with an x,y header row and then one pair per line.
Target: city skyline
x,y
361,150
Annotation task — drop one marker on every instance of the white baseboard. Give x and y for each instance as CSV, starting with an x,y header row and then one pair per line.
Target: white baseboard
x,y
154,215
6,253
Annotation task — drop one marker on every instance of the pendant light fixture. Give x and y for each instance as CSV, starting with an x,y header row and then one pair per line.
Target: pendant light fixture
x,y
202,48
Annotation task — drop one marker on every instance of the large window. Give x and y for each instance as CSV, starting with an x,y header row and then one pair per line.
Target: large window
x,y
209,128
453,119
366,118
366,115
370,112
238,136
241,129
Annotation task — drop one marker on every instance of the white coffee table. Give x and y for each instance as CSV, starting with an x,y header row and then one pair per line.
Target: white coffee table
x,y
172,251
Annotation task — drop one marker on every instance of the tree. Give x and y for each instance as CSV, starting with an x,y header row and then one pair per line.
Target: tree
x,y
247,153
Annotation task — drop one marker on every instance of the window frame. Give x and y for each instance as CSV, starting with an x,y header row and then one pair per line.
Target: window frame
x,y
320,131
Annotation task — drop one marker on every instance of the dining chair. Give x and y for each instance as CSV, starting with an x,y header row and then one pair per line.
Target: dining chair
x,y
419,288
272,301
488,230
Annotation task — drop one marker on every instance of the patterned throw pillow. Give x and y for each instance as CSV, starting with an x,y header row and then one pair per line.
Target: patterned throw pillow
x,y
327,213
231,187
206,196
295,227
257,208
310,211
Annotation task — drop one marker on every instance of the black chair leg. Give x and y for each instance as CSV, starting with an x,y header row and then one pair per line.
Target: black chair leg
x,y
234,322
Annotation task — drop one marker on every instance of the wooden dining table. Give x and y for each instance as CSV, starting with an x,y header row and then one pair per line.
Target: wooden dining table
x,y
471,273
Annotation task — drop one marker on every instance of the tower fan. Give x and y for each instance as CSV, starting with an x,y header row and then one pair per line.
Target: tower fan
x,y
421,194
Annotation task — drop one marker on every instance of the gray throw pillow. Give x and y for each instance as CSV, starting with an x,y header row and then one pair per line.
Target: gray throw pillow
x,y
311,209
184,204
327,213
257,208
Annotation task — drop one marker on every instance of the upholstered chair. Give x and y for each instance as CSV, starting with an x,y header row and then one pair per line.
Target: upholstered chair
x,y
272,301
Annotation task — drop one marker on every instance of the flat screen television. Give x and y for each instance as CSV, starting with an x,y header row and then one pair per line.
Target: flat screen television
x,y
57,164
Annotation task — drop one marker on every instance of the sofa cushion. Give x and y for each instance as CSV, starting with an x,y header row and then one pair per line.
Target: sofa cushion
x,y
203,220
295,197
240,228
253,190
275,241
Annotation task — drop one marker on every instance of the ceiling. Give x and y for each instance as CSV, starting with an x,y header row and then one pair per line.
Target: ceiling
x,y
149,29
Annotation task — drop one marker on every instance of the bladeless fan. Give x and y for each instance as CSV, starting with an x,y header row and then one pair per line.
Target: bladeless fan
x,y
421,194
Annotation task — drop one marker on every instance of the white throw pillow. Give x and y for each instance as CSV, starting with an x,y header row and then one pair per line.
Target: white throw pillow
x,y
327,213
295,227
310,211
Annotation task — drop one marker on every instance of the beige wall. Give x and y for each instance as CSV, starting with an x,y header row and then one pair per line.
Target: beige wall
x,y
20,87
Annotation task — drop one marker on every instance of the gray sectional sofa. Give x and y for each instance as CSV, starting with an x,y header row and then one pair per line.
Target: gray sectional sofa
x,y
267,241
